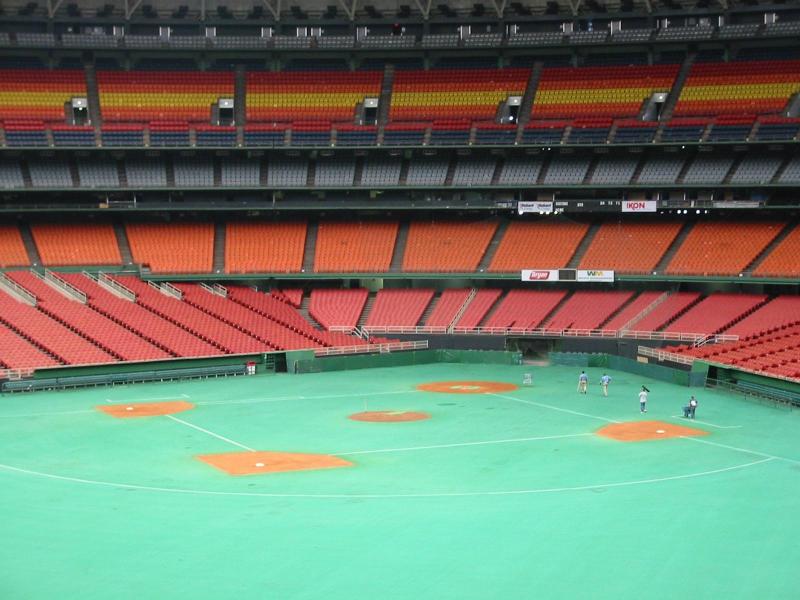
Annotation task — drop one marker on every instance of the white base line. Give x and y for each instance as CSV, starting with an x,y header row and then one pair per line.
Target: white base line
x,y
47,414
458,445
565,410
385,496
184,396
288,398
745,450
705,422
211,433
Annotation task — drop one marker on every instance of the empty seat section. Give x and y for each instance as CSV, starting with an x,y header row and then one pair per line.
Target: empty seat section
x,y
264,247
172,247
354,247
745,87
722,248
337,308
39,93
632,310
94,244
524,309
61,342
587,309
399,308
478,308
12,248
629,247
568,92
451,247
665,311
18,353
446,307
300,96
207,327
775,315
715,312
161,95
137,318
293,297
238,315
783,260
89,323
538,245
454,93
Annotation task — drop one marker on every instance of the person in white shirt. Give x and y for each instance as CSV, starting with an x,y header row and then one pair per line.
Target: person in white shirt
x,y
604,381
583,382
688,410
643,400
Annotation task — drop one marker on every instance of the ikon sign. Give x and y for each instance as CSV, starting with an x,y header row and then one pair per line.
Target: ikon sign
x,y
639,206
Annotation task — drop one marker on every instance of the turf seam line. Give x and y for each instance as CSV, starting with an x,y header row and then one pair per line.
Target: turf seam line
x,y
706,423
461,444
382,496
211,433
566,410
290,398
48,414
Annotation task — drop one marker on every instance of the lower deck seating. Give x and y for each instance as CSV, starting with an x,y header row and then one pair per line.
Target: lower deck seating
x,y
18,353
446,307
399,307
632,310
172,247
337,308
715,313
76,244
264,247
478,308
587,309
666,311
775,315
525,309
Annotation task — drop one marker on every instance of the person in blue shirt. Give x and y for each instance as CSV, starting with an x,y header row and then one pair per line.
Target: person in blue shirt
x,y
583,382
604,381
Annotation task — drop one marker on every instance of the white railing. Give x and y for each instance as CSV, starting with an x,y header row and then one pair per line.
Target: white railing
x,y
15,374
662,355
646,311
16,290
115,287
215,288
66,289
457,317
372,348
373,329
170,290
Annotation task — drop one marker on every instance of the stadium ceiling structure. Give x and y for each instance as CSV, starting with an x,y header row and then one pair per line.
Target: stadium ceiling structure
x,y
362,9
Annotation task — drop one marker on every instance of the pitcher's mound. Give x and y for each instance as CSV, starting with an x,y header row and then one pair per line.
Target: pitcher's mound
x,y
467,387
638,431
145,409
389,416
254,463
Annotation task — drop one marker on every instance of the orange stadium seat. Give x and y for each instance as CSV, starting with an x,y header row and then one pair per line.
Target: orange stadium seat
x,y
441,246
354,247
524,309
172,247
309,96
629,247
93,244
538,245
143,96
453,93
337,308
721,247
399,307
587,309
446,307
783,260
12,248
264,247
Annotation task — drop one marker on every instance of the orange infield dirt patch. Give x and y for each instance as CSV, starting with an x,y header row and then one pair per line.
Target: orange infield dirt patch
x,y
639,431
389,416
145,409
255,463
467,387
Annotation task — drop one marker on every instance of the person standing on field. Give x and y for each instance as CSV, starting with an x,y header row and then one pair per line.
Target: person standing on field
x,y
604,381
643,400
583,382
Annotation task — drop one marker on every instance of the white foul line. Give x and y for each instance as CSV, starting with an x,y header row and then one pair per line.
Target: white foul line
x,y
47,414
458,445
385,496
566,410
185,396
211,433
745,450
707,423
